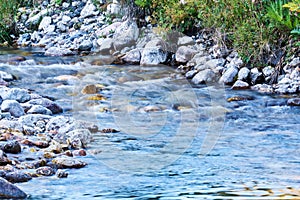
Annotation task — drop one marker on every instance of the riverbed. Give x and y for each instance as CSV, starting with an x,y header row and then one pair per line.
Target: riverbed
x,y
172,139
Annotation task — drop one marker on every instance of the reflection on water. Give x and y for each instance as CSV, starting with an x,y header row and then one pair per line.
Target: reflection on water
x,y
163,124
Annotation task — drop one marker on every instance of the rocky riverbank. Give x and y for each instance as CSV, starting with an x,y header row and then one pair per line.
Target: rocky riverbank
x,y
88,27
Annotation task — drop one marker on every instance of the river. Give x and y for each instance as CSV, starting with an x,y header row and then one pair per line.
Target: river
x,y
175,140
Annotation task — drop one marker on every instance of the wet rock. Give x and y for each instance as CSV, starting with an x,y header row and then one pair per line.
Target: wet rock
x,y
184,54
294,102
185,41
240,85
8,190
79,138
89,89
79,152
52,106
3,159
240,98
17,177
58,51
13,107
190,74
33,119
45,171
243,74
57,123
38,109
264,88
153,56
6,76
20,95
11,147
132,57
68,162
204,76
85,45
61,173
229,76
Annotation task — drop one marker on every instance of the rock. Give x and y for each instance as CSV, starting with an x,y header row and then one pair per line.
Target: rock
x,y
184,54
3,159
20,95
256,76
45,171
229,76
10,191
153,56
17,177
79,136
204,76
79,152
294,102
88,10
86,45
114,8
295,62
57,123
6,76
33,120
240,85
38,109
58,51
264,88
67,162
61,173
123,42
106,46
185,41
13,107
190,74
45,23
13,147
295,75
12,125
61,26
89,89
268,71
52,106
198,59
243,74
240,98
132,57
108,30
34,20
214,63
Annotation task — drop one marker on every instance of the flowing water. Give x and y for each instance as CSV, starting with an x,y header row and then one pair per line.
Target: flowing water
x,y
176,140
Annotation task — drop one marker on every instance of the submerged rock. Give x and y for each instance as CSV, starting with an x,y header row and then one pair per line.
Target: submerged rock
x,y
8,190
294,102
45,171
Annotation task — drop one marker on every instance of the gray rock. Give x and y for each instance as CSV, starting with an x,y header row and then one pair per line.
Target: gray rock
x,y
61,26
123,42
153,56
108,29
240,85
66,19
256,76
61,173
45,171
295,62
3,159
85,45
52,106
185,41
190,74
79,136
264,88
295,75
127,29
198,59
229,76
57,123
204,76
114,8
106,46
243,74
13,125
34,20
132,57
294,102
17,177
20,95
184,54
8,190
58,51
88,10
32,119
13,147
13,107
67,162
268,71
38,109
214,63
6,76
45,23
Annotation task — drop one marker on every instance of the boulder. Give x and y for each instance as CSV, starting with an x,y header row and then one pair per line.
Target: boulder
x,y
38,109
10,191
243,74
132,57
240,85
256,76
45,23
184,54
204,76
85,45
82,137
58,51
20,95
13,107
17,176
153,56
185,41
88,10
67,162
13,147
229,76
52,106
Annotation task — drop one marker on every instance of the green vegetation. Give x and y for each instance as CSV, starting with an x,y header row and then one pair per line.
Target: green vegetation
x,y
255,28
